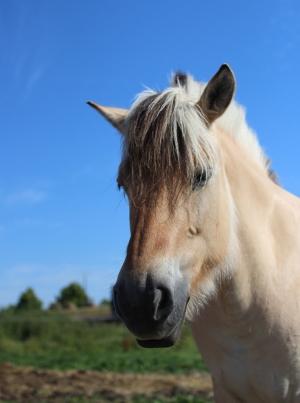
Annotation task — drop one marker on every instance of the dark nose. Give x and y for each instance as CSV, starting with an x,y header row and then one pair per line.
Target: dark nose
x,y
152,305
162,303
154,301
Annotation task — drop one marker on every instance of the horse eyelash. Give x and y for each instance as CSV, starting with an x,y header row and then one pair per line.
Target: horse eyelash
x,y
201,178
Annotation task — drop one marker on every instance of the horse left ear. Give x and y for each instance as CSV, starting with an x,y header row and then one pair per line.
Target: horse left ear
x,y
217,94
115,116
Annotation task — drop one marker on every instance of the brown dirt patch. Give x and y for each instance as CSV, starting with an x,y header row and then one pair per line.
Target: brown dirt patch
x,y
29,385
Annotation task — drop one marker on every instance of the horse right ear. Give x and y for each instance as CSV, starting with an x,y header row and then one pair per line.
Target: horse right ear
x,y
218,94
115,116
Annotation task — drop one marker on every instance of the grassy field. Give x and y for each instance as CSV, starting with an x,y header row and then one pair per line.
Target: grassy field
x,y
135,399
53,340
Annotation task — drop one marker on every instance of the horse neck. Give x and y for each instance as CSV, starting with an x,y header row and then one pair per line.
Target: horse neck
x,y
252,298
256,196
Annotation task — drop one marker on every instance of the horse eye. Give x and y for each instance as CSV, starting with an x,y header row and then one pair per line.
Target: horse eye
x,y
201,178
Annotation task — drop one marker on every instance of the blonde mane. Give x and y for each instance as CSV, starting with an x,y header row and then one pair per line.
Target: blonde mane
x,y
167,140
166,143
233,121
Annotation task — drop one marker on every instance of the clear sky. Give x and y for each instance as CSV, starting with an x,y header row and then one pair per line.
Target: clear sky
x,y
61,216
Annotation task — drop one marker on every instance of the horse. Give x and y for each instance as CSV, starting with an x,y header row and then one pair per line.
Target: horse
x,y
214,239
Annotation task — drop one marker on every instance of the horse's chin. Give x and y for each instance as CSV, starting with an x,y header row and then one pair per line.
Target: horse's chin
x,y
162,343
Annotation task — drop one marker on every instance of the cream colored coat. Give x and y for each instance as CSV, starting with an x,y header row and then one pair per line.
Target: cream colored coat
x,y
249,334
237,245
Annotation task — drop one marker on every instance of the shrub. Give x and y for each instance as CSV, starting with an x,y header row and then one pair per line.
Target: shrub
x,y
29,301
105,302
73,294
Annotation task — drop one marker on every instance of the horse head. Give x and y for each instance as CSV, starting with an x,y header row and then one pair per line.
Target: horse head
x,y
180,212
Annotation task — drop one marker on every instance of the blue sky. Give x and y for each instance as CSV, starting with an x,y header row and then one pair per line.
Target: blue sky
x,y
61,216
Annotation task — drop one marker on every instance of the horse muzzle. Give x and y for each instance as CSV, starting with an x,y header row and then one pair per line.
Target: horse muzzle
x,y
152,306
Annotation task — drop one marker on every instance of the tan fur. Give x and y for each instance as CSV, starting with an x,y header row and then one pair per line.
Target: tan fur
x,y
236,241
115,116
249,334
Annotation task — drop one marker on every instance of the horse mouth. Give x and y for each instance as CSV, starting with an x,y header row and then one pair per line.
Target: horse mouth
x,y
167,341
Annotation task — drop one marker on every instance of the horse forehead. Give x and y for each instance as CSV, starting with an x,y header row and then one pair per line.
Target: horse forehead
x,y
164,204
157,212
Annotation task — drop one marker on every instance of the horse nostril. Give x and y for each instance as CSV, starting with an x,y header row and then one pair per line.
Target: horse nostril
x,y
163,303
157,302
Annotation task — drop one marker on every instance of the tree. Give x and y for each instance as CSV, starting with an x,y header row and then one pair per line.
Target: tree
x,y
29,301
105,302
73,293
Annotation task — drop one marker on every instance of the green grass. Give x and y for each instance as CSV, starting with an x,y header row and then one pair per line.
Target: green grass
x,y
114,361
174,399
135,399
50,340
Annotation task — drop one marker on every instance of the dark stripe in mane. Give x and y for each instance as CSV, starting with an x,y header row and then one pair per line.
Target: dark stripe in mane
x,y
159,148
180,79
151,158
271,173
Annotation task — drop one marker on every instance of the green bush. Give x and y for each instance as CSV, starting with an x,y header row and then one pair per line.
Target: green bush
x,y
73,293
105,302
29,301
20,325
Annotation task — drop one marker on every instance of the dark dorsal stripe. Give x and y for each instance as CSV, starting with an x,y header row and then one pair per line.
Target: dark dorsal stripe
x,y
180,79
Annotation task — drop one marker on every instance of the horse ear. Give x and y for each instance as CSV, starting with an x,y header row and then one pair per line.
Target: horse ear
x,y
217,94
115,116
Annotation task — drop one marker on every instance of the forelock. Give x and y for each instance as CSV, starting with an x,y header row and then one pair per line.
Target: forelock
x,y
166,141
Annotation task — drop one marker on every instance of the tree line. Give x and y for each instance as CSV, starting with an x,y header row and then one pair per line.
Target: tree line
x,y
71,296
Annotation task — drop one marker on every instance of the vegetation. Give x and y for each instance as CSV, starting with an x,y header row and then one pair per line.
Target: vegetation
x,y
52,340
64,339
73,294
174,399
105,302
136,399
29,301
59,340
